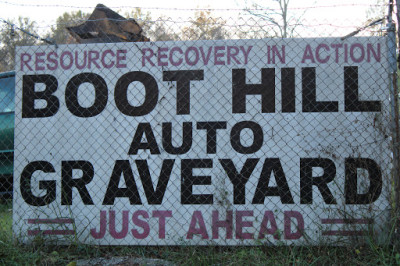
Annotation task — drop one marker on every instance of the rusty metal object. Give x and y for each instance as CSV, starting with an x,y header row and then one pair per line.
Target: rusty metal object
x,y
104,26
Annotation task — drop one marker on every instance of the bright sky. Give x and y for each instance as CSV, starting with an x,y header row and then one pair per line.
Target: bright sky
x,y
45,12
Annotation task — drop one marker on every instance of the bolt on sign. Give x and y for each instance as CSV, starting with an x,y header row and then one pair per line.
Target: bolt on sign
x,y
229,142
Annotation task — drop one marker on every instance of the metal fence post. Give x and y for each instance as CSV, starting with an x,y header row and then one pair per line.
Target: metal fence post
x,y
394,110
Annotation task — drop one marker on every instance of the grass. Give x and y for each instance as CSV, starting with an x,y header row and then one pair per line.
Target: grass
x,y
14,253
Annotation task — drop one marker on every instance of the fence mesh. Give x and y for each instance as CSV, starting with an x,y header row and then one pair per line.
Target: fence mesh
x,y
218,133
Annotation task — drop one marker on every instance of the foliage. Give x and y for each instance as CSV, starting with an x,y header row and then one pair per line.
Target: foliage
x,y
59,32
153,29
160,32
13,37
142,18
378,10
205,27
375,12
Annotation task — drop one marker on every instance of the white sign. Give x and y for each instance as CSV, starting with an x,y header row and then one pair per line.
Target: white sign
x,y
202,142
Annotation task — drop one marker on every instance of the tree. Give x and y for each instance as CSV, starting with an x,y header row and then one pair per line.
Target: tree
x,y
205,27
283,23
156,30
59,32
251,29
143,19
13,37
376,12
159,31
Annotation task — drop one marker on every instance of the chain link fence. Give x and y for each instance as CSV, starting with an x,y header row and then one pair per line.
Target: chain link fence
x,y
222,136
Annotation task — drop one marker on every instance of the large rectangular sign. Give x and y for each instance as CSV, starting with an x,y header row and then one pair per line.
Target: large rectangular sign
x,y
203,142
